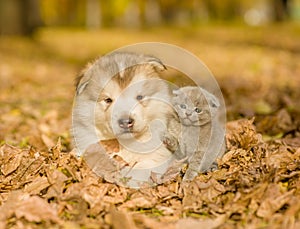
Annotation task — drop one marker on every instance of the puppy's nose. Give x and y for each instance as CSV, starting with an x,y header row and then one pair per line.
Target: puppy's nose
x,y
126,123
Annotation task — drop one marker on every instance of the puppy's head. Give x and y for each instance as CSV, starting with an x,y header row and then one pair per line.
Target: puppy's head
x,y
128,94
98,73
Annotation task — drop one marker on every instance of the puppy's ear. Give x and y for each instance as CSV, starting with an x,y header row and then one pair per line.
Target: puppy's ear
x,y
82,80
156,63
176,92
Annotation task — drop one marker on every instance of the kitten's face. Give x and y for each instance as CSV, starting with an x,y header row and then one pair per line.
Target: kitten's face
x,y
195,107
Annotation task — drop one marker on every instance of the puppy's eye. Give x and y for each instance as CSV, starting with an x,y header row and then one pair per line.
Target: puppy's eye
x,y
108,100
183,106
139,97
198,110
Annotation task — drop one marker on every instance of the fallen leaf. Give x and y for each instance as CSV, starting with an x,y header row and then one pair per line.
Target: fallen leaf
x,y
102,164
122,220
242,134
12,158
36,209
37,185
273,125
273,203
190,223
57,180
139,201
262,107
47,141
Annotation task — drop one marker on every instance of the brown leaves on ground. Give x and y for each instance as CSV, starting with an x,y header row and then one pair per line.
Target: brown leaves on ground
x,y
257,184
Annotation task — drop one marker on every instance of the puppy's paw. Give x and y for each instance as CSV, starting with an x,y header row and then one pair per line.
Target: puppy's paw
x,y
189,175
170,142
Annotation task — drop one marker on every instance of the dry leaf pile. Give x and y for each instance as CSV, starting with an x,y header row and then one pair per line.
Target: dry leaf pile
x,y
257,184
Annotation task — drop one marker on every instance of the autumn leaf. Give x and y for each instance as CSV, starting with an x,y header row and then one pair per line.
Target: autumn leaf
x,y
36,209
11,160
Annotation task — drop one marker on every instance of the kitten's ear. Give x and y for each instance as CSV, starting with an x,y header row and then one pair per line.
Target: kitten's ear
x,y
156,63
82,80
213,101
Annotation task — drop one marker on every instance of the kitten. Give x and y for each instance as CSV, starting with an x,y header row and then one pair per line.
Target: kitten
x,y
196,131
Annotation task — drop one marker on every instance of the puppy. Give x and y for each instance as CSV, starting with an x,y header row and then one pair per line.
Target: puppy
x,y
121,96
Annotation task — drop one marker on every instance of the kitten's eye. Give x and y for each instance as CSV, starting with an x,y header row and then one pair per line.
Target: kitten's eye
x,y
198,110
183,106
108,100
139,97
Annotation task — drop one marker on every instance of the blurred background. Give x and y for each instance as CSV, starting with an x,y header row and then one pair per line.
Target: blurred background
x,y
251,46
24,16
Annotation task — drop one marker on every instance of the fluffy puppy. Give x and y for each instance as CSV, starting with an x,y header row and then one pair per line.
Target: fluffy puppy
x,y
121,96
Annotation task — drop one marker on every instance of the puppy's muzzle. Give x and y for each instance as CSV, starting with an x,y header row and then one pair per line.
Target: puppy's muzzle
x,y
126,123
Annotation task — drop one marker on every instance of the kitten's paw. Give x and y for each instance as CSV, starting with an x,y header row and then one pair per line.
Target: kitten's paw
x,y
213,167
185,185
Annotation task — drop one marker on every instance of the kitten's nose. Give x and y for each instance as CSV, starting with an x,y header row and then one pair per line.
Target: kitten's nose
x,y
126,123
189,112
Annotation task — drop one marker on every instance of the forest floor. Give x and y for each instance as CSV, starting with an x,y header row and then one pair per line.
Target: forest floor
x,y
257,184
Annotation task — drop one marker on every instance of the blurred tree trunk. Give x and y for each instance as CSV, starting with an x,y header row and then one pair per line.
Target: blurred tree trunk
x,y
20,17
142,12
222,9
281,9
107,16
153,12
169,8
93,14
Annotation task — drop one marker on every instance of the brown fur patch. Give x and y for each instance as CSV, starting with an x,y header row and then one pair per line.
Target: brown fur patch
x,y
124,78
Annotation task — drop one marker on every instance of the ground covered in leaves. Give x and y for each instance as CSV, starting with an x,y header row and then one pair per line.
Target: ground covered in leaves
x,y
257,185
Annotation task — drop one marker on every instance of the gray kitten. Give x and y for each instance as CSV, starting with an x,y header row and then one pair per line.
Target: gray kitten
x,y
196,129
